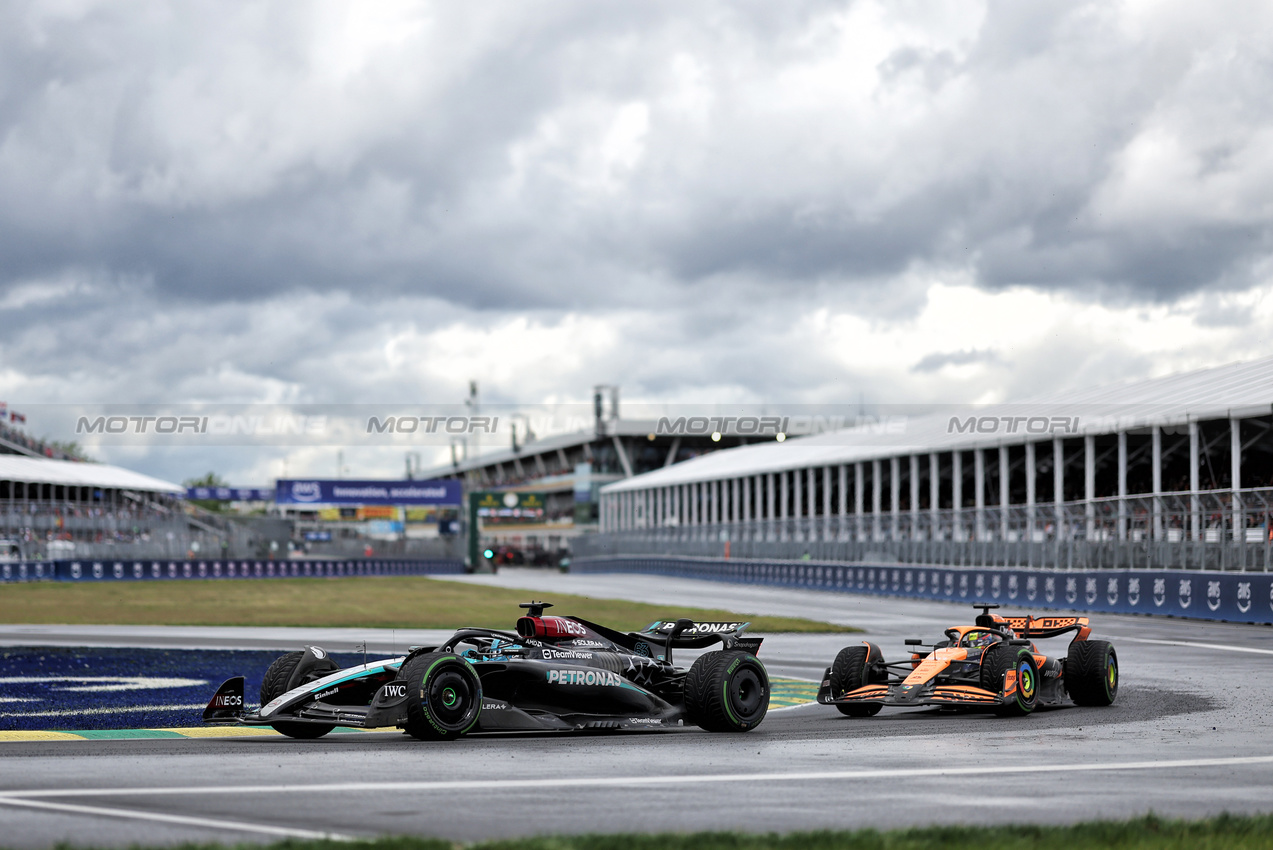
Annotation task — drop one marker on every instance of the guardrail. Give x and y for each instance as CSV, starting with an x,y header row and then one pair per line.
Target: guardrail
x,y
86,571
1212,530
1233,597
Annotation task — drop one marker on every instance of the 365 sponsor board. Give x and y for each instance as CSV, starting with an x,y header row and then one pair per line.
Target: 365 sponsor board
x,y
1231,596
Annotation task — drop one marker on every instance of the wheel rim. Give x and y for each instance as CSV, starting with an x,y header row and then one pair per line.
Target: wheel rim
x,y
746,693
449,696
1025,680
1111,674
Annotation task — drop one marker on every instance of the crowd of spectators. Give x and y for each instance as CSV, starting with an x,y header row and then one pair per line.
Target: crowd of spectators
x,y
16,437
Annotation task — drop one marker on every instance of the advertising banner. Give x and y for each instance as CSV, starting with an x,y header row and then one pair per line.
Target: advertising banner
x,y
230,494
314,491
509,506
1230,596
86,571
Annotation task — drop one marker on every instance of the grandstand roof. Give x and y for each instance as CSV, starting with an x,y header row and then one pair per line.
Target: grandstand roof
x,y
1236,389
67,473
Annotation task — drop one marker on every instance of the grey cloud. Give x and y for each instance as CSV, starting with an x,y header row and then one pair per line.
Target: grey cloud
x,y
935,361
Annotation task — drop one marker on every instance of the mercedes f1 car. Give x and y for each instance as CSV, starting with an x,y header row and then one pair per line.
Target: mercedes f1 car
x,y
553,674
992,665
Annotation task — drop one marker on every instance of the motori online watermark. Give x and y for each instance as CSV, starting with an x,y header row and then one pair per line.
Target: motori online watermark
x,y
1013,425
219,425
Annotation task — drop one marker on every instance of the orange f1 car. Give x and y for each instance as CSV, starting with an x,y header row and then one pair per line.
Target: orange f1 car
x,y
992,665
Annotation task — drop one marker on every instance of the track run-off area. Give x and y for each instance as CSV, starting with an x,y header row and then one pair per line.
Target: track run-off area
x,y
1190,735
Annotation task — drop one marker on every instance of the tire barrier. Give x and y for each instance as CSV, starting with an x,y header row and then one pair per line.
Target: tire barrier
x,y
1228,596
151,570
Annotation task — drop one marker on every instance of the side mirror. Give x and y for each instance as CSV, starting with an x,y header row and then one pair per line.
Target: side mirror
x,y
914,642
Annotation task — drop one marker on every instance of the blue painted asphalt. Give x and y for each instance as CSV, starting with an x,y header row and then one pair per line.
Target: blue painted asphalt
x,y
62,688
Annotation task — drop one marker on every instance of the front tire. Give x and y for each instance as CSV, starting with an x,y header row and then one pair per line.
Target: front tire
x,y
444,696
850,671
727,691
1091,672
274,685
995,664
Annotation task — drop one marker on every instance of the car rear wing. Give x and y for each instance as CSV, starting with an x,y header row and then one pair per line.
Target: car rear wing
x,y
702,635
1029,627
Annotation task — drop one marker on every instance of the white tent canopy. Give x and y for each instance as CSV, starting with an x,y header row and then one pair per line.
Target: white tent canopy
x,y
65,473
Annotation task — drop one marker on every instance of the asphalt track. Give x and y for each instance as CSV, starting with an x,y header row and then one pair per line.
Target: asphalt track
x,y
1190,735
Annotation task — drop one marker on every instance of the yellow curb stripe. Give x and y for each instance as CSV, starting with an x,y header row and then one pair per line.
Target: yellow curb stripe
x,y
223,731
39,736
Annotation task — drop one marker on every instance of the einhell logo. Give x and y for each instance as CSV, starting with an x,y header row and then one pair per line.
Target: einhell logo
x,y
1013,425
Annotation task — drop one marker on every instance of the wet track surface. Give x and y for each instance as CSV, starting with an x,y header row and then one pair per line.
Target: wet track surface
x,y
1191,734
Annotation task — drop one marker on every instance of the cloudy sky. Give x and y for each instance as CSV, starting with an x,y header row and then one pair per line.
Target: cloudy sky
x,y
806,202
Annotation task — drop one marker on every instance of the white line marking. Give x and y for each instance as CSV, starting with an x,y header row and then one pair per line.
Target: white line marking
x,y
122,709
631,781
102,684
182,820
1199,645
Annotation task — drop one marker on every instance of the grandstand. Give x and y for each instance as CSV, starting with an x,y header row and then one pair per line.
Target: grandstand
x,y
1169,472
61,509
570,469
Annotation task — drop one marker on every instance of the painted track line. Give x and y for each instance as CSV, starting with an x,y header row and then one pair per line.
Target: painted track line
x,y
178,820
1197,645
639,781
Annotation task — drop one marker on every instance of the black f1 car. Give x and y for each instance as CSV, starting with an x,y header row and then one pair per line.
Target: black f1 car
x,y
553,674
991,665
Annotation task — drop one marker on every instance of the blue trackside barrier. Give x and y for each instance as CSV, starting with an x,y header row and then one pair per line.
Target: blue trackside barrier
x,y
1232,597
151,570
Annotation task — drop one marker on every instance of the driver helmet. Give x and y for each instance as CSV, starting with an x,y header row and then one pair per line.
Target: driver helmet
x,y
979,638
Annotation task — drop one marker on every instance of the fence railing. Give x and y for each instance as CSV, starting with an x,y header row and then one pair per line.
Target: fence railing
x,y
1212,530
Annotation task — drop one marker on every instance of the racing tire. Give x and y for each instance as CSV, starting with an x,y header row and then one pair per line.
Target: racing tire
x,y
1091,672
995,664
727,691
444,696
849,672
274,685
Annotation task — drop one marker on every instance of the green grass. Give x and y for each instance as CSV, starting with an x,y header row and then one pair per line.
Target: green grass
x,y
1230,832
390,602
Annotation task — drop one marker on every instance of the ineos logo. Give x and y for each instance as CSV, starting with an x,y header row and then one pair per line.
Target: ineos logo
x,y
226,700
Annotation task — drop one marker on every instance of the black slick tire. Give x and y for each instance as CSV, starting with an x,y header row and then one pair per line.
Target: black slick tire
x,y
444,696
850,671
996,662
274,685
727,691
1091,672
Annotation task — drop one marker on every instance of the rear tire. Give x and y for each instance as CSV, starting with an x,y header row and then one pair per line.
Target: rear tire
x,y
274,685
849,672
727,691
996,662
1091,672
444,696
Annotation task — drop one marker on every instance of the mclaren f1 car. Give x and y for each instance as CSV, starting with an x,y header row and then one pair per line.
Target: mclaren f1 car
x,y
992,665
551,674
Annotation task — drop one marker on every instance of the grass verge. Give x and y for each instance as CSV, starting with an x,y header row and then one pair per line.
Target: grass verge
x,y
390,602
1230,832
